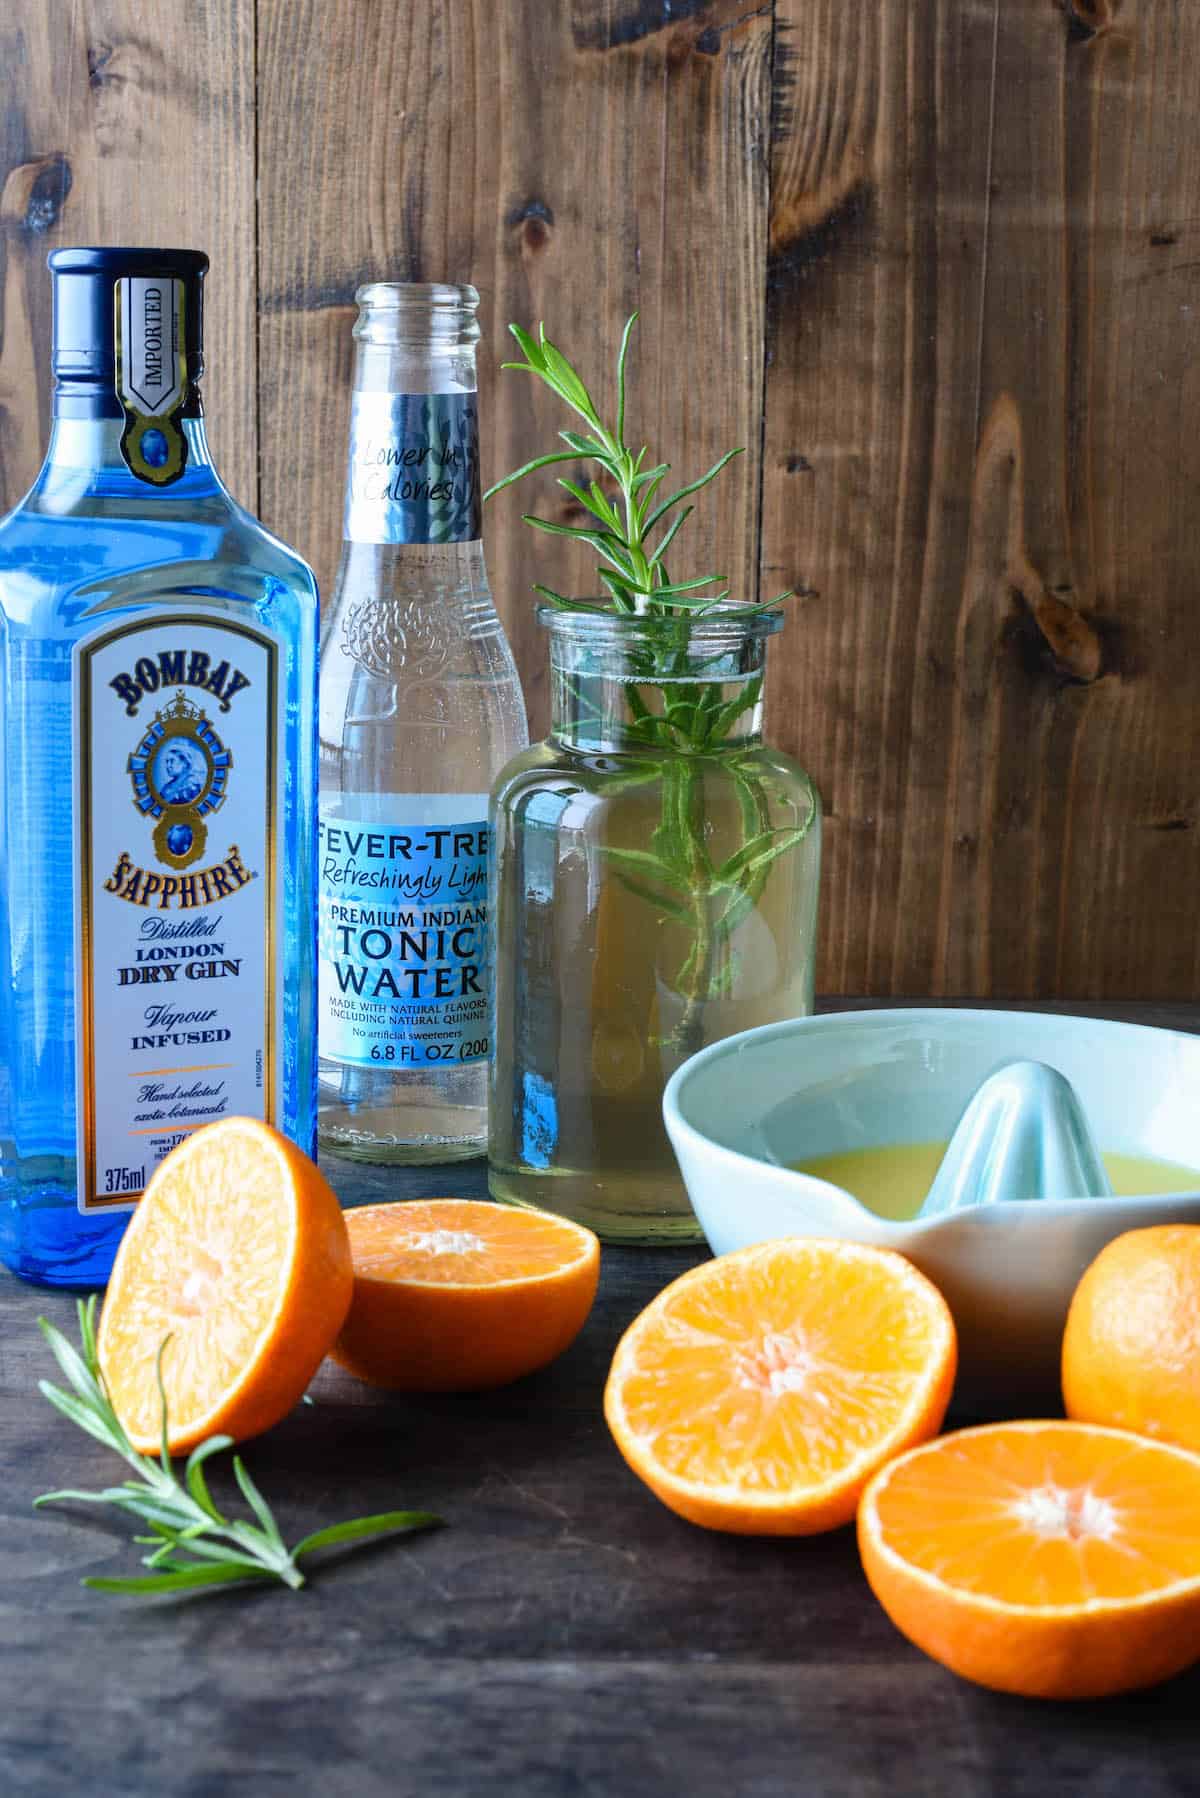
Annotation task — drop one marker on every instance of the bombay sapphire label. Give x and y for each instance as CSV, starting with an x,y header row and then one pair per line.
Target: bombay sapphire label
x,y
403,932
176,748
151,376
414,469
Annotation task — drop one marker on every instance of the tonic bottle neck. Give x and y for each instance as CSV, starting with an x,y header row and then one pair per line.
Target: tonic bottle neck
x,y
415,338
413,368
413,470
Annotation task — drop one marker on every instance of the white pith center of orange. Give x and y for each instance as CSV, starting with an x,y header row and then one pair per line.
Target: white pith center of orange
x,y
201,1286
769,1373
1070,1515
970,1515
468,1243
445,1242
781,1362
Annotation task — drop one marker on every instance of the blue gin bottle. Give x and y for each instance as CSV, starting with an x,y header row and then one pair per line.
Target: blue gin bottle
x,y
157,782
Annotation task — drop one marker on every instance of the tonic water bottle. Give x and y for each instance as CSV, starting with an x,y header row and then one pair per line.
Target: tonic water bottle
x,y
157,782
420,708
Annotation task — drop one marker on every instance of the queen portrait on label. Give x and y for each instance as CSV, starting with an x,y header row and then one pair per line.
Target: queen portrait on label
x,y
180,772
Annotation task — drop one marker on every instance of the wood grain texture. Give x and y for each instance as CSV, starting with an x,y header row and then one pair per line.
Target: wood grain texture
x,y
576,162
126,121
565,1635
935,265
980,450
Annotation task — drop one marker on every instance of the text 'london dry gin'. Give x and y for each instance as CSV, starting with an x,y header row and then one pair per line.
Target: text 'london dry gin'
x,y
420,708
157,806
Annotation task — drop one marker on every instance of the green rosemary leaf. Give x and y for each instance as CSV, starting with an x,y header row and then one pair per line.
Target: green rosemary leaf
x,y
680,587
726,716
386,1523
151,1507
68,1495
559,371
637,705
563,603
630,322
530,468
164,1447
528,348
692,487
257,1503
760,852
183,1579
768,605
702,608
623,595
643,862
86,1314
650,482
80,1412
680,518
68,1357
605,509
581,532
609,783
216,1553
543,371
588,447
192,1544
593,502
667,908
607,546
197,1485
740,906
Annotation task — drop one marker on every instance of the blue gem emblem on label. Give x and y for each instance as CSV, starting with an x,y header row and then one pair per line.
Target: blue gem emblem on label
x,y
403,934
414,469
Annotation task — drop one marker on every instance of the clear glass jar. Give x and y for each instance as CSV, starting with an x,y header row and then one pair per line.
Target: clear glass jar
x,y
657,869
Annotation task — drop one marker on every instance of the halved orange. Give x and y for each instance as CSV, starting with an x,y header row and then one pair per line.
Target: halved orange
x,y
1056,1560
455,1295
760,1391
238,1254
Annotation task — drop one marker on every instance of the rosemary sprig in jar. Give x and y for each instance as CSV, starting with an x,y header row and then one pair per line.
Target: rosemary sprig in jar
x,y
668,709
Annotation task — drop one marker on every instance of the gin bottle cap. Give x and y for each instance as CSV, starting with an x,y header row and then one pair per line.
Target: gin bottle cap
x,y
86,322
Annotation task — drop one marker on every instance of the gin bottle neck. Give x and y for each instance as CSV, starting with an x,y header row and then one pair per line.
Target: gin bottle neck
x,y
84,453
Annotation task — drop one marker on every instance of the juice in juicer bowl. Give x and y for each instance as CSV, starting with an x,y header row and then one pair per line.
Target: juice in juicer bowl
x,y
742,1110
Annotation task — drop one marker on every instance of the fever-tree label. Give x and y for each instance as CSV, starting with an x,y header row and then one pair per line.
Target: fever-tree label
x,y
176,723
403,935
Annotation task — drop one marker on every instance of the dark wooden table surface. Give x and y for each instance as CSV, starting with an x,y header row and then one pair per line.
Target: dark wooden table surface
x,y
564,1636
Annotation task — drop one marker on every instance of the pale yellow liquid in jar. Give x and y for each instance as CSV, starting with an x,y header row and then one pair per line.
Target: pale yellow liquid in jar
x,y
893,1181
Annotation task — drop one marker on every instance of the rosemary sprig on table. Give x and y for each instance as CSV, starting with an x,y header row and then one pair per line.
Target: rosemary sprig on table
x,y
191,1542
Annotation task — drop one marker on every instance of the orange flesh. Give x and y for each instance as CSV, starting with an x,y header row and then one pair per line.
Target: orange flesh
x,y
779,1372
456,1295
208,1275
461,1242
1051,1515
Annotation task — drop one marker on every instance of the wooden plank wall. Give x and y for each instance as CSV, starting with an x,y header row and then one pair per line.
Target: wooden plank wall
x,y
935,263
